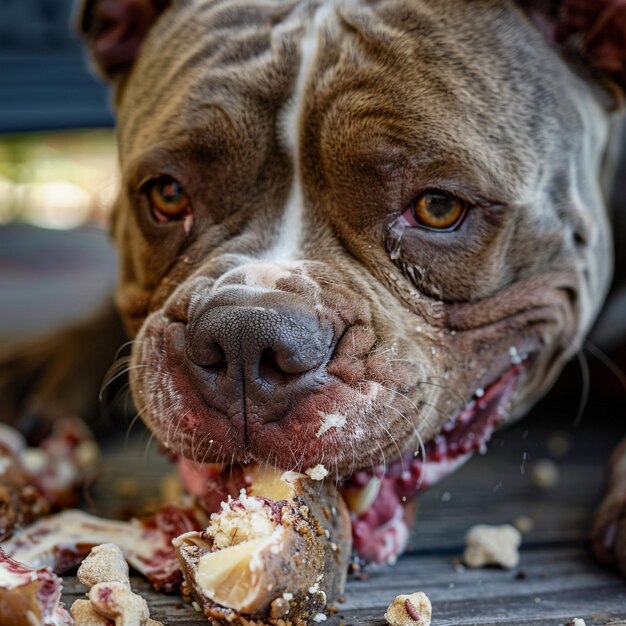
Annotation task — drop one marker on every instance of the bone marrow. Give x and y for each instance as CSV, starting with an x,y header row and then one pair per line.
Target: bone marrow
x,y
277,554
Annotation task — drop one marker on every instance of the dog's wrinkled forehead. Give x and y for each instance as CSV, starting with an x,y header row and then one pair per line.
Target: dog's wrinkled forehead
x,y
468,87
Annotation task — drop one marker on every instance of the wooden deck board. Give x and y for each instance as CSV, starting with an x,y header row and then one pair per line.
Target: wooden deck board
x,y
561,583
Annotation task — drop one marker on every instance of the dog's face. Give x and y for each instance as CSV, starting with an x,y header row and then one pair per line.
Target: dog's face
x,y
340,223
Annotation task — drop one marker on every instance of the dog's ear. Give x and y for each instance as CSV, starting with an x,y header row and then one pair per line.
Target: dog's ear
x,y
592,34
115,30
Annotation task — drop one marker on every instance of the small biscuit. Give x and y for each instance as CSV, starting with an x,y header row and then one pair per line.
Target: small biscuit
x,y
85,615
117,602
413,610
104,564
492,545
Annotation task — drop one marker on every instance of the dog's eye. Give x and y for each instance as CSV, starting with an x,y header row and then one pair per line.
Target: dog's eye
x,y
168,199
436,210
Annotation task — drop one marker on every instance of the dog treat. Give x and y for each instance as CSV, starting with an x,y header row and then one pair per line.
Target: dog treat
x,y
29,596
545,474
110,597
413,610
492,545
104,564
275,555
61,541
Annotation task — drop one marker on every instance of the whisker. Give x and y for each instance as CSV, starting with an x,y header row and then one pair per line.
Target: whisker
x,y
584,397
607,362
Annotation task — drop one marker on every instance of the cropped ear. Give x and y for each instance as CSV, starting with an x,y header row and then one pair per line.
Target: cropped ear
x,y
114,31
592,34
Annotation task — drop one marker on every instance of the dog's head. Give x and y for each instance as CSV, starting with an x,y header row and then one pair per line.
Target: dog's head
x,y
342,224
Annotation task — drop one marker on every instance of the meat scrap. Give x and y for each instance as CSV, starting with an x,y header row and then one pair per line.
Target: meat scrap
x,y
111,599
276,555
30,596
62,540
413,610
34,481
492,545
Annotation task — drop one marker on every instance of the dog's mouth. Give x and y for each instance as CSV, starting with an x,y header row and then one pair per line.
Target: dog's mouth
x,y
377,499
458,440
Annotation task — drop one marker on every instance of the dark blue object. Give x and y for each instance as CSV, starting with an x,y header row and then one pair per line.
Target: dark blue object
x,y
44,81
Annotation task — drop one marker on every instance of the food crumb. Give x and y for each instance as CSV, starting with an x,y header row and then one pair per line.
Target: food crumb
x,y
492,545
524,524
410,610
545,474
320,617
577,622
559,443
319,472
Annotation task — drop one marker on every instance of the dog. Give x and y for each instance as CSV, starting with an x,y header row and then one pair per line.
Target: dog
x,y
342,225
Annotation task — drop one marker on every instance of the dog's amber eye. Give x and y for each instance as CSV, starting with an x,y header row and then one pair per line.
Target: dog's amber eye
x,y
168,199
437,210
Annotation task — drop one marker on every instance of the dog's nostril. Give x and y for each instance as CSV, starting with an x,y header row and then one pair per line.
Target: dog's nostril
x,y
271,368
210,355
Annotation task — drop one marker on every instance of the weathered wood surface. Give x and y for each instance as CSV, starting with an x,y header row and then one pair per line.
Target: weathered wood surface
x,y
558,581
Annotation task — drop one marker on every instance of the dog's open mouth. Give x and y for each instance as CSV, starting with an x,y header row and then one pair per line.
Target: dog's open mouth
x,y
459,438
377,499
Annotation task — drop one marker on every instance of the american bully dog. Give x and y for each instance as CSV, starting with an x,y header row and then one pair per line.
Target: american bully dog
x,y
350,231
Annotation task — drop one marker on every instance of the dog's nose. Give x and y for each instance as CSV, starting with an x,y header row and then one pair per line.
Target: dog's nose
x,y
272,350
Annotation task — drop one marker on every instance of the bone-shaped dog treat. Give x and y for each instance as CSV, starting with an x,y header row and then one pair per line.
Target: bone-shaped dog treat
x,y
110,596
61,541
30,596
276,555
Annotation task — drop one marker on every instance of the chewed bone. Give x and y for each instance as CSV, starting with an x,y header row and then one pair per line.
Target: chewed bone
x,y
60,541
30,596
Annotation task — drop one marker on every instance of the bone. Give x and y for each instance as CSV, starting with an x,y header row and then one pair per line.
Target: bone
x,y
280,551
60,541
30,596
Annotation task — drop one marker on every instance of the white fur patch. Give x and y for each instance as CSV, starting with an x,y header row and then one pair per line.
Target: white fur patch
x,y
290,234
264,274
330,420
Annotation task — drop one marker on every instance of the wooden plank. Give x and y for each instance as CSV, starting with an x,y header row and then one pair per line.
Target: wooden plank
x,y
559,584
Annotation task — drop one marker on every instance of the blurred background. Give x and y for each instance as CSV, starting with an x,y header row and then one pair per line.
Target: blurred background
x,y
57,171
